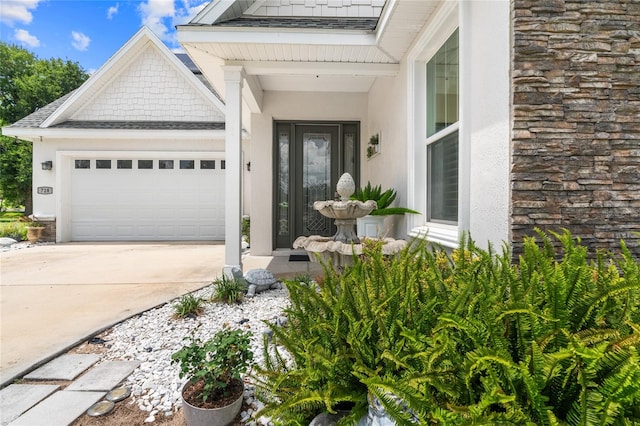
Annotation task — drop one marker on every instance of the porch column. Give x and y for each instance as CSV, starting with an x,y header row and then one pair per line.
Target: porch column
x,y
233,76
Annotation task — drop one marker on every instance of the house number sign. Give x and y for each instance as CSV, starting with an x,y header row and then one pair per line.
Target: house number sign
x,y
45,190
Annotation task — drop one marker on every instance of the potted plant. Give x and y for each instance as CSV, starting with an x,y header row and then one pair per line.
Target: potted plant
x,y
34,231
372,225
214,392
373,146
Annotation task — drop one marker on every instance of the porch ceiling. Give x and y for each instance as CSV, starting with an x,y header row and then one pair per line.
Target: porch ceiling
x,y
309,59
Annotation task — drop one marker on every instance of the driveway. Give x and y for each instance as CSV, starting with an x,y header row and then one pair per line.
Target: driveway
x,y
52,297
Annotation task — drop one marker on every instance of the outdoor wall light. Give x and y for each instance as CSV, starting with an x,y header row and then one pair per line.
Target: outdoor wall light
x,y
249,166
47,165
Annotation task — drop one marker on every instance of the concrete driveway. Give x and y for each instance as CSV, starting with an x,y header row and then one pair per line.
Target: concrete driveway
x,y
54,296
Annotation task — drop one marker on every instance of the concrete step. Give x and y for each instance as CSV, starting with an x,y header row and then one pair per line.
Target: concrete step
x,y
60,409
65,367
17,398
104,377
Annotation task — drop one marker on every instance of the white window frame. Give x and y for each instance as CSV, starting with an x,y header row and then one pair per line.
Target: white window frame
x,y
443,24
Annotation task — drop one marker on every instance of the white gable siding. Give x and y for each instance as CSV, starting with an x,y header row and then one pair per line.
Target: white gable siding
x,y
318,8
149,89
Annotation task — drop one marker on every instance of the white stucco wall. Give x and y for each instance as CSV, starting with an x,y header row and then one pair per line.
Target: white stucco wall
x,y
485,81
388,116
289,106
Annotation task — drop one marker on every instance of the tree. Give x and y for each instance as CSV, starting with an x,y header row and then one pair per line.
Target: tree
x,y
26,84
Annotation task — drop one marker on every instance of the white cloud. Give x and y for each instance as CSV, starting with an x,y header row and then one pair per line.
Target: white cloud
x,y
154,12
161,16
113,10
24,37
17,11
80,41
188,11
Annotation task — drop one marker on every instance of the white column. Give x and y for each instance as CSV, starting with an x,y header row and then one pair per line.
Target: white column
x,y
233,76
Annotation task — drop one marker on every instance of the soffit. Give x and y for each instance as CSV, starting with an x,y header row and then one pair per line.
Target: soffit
x,y
363,41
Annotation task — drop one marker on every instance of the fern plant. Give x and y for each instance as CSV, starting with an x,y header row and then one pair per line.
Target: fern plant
x,y
464,338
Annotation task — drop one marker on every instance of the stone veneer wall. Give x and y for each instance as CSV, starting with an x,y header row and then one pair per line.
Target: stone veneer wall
x,y
576,120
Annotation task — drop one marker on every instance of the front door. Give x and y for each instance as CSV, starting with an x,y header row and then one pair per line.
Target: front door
x,y
311,157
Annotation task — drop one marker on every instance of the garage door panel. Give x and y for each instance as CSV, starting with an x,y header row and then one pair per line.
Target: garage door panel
x,y
150,204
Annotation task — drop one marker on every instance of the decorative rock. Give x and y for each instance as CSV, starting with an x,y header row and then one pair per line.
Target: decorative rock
x,y
6,242
100,408
155,384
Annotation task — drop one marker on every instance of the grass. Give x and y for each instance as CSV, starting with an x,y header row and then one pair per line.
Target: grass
x,y
228,290
10,216
12,225
188,305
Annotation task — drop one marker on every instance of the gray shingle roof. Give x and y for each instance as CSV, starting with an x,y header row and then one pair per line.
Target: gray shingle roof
x,y
355,24
37,117
141,125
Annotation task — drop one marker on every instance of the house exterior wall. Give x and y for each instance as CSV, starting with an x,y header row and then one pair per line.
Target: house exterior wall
x,y
484,112
576,120
484,116
326,106
149,89
388,118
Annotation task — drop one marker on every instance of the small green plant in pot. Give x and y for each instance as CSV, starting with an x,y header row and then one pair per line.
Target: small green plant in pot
x,y
372,225
383,199
213,394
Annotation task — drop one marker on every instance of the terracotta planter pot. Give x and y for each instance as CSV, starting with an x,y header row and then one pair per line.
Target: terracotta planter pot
x,y
223,416
34,233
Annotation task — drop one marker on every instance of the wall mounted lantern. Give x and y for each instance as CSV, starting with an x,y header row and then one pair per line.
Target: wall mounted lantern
x,y
47,165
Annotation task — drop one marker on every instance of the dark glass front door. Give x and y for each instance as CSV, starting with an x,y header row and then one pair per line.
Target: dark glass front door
x,y
310,159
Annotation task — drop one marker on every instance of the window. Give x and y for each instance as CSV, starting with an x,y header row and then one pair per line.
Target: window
x,y
83,164
145,164
165,164
207,164
223,164
442,133
124,164
187,164
103,164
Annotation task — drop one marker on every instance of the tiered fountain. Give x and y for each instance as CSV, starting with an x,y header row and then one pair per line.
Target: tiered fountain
x,y
341,248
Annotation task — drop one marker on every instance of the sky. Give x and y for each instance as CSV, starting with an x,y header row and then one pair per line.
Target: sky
x,y
89,32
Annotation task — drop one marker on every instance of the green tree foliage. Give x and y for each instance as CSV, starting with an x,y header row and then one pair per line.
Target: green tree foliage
x,y
15,172
464,339
26,84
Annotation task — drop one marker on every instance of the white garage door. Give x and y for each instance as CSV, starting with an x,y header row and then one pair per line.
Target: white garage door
x,y
147,199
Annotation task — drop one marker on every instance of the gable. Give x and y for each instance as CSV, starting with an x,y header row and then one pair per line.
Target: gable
x,y
149,88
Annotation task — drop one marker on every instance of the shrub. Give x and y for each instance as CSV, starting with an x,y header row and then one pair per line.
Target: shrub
x,y
466,338
15,230
188,306
216,362
228,290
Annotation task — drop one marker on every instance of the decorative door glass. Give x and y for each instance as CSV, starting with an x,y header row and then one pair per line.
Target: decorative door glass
x,y
316,181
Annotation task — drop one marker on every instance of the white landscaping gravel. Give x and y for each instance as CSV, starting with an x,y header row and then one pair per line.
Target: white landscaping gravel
x,y
153,336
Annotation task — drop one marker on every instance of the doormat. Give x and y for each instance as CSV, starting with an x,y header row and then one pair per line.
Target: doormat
x,y
298,258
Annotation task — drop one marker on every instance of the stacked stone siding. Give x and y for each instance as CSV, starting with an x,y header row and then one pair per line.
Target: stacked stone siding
x,y
576,120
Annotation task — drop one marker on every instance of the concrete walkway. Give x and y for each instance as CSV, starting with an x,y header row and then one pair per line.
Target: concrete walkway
x,y
53,297
39,404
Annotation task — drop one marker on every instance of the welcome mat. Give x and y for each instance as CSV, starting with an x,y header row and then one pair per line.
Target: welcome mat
x,y
298,258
